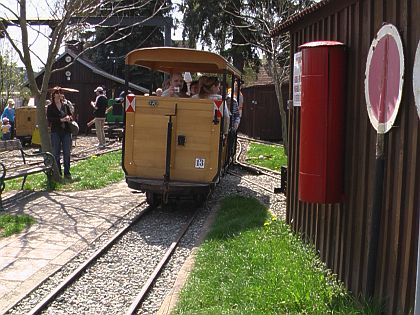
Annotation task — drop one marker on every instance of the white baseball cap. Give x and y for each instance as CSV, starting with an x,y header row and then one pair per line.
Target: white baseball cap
x,y
99,89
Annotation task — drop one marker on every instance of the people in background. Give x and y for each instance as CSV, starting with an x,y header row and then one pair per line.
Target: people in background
x,y
100,104
9,113
235,95
209,87
175,85
59,116
235,115
121,97
68,103
237,105
194,88
159,92
166,84
5,129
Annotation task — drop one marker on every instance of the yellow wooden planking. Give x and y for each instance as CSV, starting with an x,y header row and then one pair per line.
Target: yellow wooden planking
x,y
25,120
146,133
202,138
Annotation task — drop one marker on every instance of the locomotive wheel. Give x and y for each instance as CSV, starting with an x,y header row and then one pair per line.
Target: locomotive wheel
x,y
153,199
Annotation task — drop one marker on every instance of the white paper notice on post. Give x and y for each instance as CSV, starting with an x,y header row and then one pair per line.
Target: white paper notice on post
x,y
297,75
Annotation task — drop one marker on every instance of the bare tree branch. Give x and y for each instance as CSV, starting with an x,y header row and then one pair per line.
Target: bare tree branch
x,y
64,26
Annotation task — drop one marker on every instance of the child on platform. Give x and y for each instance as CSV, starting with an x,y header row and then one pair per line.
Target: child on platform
x,y
6,129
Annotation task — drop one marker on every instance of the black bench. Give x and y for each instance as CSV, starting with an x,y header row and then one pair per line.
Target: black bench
x,y
17,163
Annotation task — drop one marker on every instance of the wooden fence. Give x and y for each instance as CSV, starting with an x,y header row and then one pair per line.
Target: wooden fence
x,y
340,231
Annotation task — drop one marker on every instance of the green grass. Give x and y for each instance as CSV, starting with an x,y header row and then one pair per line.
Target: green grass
x,y
12,224
269,156
93,173
252,263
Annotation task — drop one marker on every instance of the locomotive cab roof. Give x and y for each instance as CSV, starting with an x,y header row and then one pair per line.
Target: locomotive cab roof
x,y
173,59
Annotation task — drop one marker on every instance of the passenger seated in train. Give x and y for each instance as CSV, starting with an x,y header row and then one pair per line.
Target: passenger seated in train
x,y
194,87
209,87
159,92
175,85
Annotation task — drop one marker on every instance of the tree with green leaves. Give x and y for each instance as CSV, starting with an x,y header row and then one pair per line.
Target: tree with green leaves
x,y
68,19
244,27
112,57
11,76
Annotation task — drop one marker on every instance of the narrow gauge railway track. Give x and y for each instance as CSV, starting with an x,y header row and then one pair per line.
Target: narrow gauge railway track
x,y
84,292
78,263
66,304
258,170
87,152
76,154
264,187
245,138
83,267
136,303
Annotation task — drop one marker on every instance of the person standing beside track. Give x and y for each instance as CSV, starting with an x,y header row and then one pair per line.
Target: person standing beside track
x,y
5,129
59,116
237,105
100,104
9,113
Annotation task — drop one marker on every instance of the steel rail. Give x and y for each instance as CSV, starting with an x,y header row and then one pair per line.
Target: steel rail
x,y
75,274
253,168
250,181
148,285
259,141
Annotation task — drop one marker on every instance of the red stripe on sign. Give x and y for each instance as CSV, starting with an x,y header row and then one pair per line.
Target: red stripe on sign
x,y
218,106
384,78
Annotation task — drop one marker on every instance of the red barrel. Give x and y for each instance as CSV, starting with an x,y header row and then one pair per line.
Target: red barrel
x,y
321,161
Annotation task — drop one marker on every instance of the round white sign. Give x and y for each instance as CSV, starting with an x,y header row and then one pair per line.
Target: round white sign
x,y
416,79
384,78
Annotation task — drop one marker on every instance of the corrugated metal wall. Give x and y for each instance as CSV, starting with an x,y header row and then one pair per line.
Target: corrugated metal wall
x,y
340,232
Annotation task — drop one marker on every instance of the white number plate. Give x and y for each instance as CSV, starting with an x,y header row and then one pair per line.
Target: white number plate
x,y
200,163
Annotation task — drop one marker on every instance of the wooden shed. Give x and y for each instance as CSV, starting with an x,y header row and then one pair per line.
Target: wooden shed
x,y
340,231
84,76
261,114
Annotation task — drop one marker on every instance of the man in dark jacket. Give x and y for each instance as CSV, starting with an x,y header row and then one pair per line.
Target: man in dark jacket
x,y
100,104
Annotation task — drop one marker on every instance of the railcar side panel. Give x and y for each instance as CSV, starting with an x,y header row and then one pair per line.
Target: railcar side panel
x,y
194,141
197,158
25,121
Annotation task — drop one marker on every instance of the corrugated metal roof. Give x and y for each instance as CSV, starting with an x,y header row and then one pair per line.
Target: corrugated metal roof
x,y
282,27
